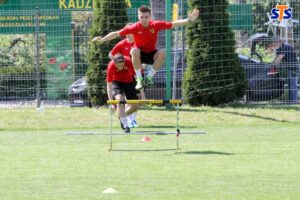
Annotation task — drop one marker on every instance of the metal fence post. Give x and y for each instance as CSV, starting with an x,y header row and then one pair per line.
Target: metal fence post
x,y
168,50
37,56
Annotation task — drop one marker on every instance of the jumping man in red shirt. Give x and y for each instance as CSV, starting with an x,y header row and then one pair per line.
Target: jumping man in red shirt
x,y
120,85
123,47
145,33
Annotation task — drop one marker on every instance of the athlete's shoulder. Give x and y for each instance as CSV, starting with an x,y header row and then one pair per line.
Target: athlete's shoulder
x,y
124,41
127,59
133,26
111,64
160,24
157,21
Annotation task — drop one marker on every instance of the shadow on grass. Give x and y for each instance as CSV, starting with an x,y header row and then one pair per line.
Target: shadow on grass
x,y
253,116
285,106
238,106
143,150
206,153
196,109
167,126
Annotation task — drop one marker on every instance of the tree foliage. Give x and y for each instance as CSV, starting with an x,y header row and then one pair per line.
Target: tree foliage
x,y
17,54
214,75
108,16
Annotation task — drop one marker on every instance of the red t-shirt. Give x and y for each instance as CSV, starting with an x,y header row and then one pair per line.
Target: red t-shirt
x,y
123,47
145,38
125,75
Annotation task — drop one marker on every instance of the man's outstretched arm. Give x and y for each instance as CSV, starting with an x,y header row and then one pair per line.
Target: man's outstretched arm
x,y
182,22
278,59
110,36
109,90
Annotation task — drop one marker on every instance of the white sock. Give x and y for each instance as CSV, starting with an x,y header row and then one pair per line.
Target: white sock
x,y
129,120
124,121
133,116
151,72
138,73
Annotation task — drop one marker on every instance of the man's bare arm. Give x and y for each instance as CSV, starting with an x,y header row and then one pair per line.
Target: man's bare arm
x,y
182,22
110,36
109,90
278,59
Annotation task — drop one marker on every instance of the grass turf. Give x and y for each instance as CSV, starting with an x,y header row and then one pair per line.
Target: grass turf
x,y
247,153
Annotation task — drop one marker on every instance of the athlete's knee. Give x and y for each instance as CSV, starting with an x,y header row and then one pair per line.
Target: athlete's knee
x,y
136,107
161,54
135,52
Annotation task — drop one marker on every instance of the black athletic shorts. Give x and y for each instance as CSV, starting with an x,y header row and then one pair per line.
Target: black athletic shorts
x,y
127,89
148,58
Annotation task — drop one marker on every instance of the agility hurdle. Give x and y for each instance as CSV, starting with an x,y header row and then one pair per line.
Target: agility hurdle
x,y
173,101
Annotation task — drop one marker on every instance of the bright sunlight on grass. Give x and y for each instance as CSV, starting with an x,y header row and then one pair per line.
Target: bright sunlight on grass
x,y
247,153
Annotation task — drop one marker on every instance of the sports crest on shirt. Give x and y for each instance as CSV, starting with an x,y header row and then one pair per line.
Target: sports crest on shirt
x,y
152,30
124,68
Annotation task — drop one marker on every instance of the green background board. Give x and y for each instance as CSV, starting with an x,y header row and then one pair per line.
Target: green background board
x,y
18,17
70,5
59,47
240,16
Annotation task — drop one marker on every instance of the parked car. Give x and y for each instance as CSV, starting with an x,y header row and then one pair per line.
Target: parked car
x,y
77,93
264,82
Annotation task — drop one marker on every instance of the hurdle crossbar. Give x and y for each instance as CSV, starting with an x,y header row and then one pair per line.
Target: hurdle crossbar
x,y
153,101
194,132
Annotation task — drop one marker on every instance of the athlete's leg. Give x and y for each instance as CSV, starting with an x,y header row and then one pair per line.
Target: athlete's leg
x,y
121,111
137,64
159,59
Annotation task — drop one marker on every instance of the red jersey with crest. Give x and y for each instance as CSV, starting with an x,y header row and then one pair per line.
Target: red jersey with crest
x,y
124,75
145,38
123,47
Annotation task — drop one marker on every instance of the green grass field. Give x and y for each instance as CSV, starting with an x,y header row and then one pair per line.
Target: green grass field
x,y
247,153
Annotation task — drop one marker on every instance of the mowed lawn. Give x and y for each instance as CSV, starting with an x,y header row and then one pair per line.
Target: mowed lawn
x,y
247,153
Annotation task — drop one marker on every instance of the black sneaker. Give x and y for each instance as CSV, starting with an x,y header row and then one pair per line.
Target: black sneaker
x,y
126,130
122,127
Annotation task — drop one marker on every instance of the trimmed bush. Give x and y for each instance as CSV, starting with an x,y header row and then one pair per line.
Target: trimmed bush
x,y
214,75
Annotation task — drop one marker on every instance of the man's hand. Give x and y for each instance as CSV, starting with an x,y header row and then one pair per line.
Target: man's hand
x,y
113,107
193,15
97,39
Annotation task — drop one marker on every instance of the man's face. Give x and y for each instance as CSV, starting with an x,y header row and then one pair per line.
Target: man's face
x,y
144,18
277,44
271,47
119,66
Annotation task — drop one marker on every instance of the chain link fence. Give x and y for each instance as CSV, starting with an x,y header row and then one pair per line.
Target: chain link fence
x,y
44,46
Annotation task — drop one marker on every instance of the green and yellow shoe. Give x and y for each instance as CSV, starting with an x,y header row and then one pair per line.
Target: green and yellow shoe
x,y
148,81
139,83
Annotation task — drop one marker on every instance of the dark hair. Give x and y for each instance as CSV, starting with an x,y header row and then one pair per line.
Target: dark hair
x,y
144,9
118,58
276,39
